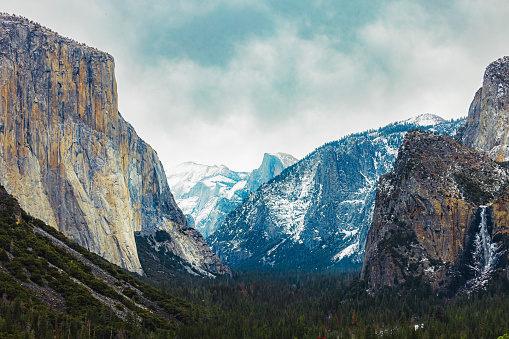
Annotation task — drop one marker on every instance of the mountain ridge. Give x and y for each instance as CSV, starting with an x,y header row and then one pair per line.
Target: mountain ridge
x,y
427,210
316,213
441,213
206,194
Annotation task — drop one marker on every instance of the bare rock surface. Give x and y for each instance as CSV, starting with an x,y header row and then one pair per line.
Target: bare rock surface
x,y
488,117
71,160
428,213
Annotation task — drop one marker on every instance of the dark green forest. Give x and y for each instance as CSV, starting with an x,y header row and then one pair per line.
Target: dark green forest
x,y
270,305
332,305
49,288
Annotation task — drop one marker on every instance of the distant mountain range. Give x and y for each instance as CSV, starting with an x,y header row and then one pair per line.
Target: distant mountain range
x,y
316,213
206,194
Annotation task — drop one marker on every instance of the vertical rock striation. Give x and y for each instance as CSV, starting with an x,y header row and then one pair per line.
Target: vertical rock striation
x,y
488,117
70,158
272,165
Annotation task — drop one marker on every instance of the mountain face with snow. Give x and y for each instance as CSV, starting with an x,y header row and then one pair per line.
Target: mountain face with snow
x,y
272,165
206,194
316,213
485,129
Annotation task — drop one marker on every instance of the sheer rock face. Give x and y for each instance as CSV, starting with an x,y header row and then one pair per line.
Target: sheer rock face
x,y
488,117
272,165
427,210
69,157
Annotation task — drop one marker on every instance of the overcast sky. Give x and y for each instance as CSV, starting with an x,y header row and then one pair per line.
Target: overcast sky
x,y
223,81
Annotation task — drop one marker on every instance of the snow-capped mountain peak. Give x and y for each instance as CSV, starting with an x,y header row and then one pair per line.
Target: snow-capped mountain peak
x,y
426,119
182,178
206,194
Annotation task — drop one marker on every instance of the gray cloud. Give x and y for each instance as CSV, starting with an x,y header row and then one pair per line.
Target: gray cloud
x,y
224,81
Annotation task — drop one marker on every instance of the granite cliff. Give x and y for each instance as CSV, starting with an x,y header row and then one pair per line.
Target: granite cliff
x,y
442,213
488,117
428,213
71,160
272,165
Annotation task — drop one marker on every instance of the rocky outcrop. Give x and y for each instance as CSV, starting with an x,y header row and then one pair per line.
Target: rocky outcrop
x,y
428,212
441,214
488,117
316,213
272,165
69,157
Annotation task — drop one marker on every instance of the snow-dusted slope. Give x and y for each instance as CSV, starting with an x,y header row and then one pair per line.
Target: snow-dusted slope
x,y
206,194
316,214
426,119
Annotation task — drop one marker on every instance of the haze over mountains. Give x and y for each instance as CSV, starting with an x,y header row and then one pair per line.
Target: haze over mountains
x,y
206,194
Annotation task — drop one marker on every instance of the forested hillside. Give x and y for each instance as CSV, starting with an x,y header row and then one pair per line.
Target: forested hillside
x,y
332,305
54,288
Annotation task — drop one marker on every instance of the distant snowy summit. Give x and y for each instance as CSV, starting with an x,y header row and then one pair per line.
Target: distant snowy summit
x,y
185,178
426,119
206,194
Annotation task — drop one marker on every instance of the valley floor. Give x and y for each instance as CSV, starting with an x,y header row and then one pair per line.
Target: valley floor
x,y
254,304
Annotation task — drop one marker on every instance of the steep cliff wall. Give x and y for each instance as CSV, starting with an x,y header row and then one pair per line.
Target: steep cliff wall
x,y
272,165
69,157
488,117
427,213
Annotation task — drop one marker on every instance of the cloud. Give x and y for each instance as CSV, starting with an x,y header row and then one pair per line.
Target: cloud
x,y
210,39
316,73
224,81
